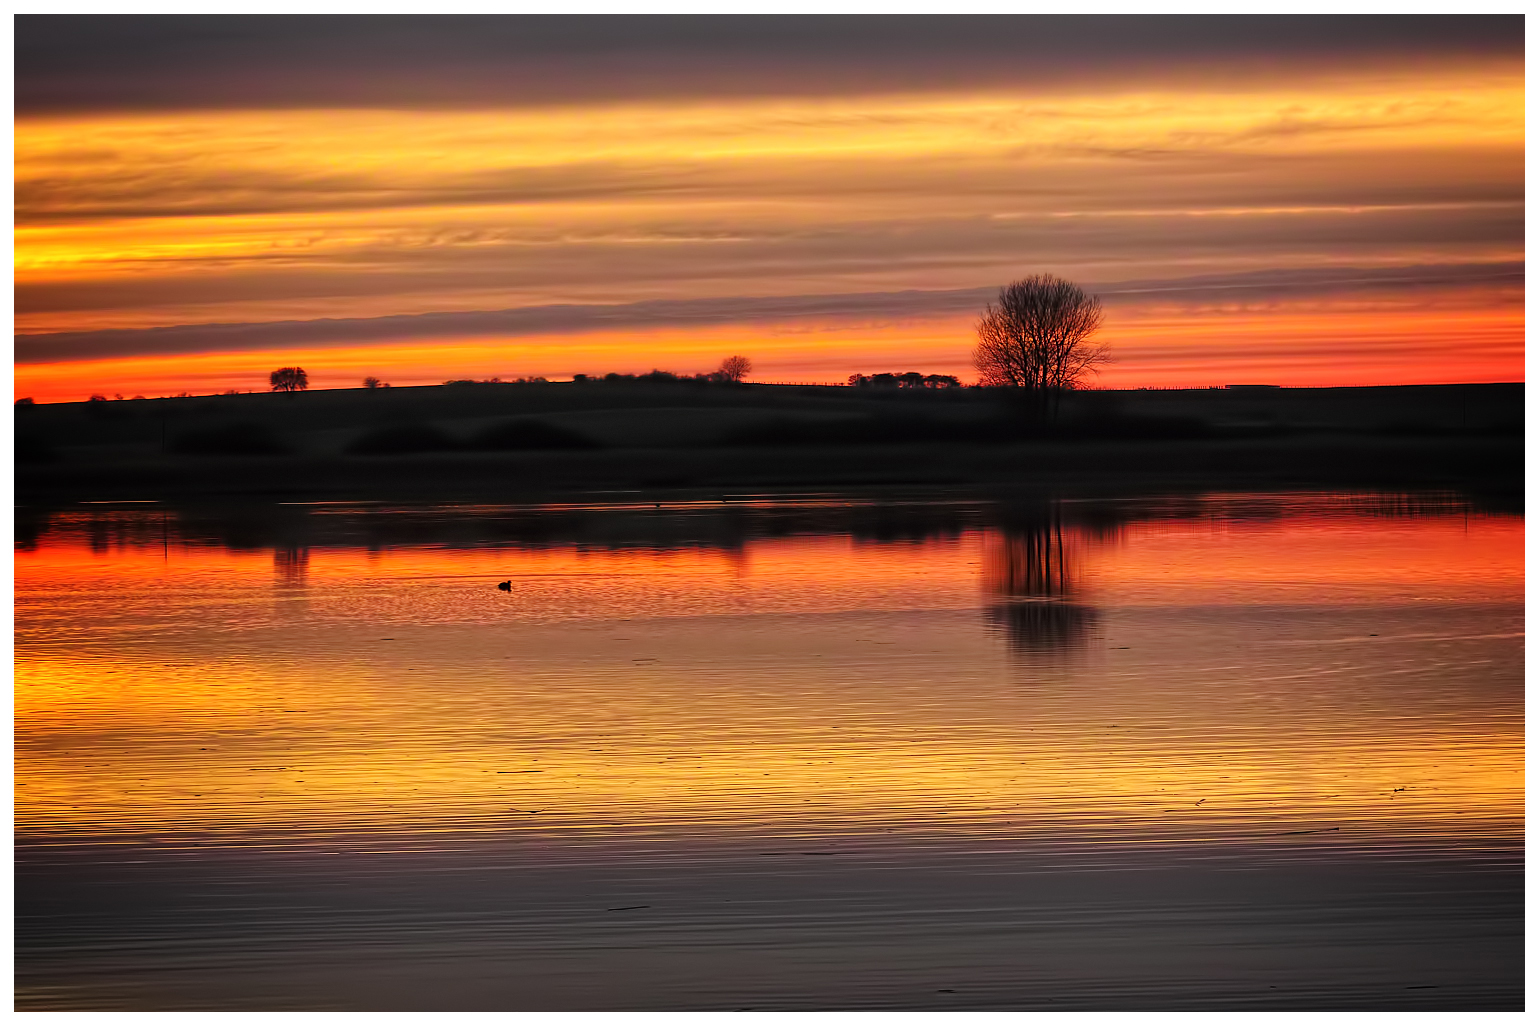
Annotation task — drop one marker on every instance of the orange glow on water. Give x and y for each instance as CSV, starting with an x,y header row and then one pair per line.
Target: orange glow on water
x,y
655,767
808,684
1343,557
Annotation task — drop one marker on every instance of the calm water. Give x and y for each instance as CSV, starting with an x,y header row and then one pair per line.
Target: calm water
x,y
1222,752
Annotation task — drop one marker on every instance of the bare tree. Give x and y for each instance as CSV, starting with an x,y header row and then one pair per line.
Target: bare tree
x,y
735,368
1037,337
289,379
371,382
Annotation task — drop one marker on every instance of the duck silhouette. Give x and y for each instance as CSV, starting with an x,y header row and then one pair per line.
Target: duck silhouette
x,y
505,586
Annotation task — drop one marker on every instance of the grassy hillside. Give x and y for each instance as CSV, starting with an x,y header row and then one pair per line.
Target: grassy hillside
x,y
542,439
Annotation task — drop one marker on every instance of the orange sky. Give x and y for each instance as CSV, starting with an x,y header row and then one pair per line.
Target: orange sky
x,y
1324,222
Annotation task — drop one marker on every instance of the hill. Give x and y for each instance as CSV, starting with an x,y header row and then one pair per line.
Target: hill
x,y
546,440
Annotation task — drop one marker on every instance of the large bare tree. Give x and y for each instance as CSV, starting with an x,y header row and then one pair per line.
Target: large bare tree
x,y
1037,337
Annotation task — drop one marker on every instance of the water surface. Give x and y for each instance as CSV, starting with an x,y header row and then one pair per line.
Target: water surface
x,y
1235,751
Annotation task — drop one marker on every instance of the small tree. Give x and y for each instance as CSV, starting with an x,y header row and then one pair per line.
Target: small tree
x,y
289,379
371,382
1037,337
735,368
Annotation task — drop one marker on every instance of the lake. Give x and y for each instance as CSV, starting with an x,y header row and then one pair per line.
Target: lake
x,y
1235,751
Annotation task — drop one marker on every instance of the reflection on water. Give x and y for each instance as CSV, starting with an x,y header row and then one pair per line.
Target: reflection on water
x,y
322,730
1050,625
291,566
1034,565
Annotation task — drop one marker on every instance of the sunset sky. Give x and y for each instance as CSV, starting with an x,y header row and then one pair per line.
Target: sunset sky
x,y
1306,200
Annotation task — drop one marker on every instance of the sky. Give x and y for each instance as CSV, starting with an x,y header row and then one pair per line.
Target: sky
x,y
1289,200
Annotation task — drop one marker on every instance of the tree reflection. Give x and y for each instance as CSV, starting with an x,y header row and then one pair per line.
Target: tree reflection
x,y
291,566
1033,569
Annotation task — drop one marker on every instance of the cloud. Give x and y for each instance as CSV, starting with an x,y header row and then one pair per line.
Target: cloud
x,y
72,63
541,320
198,217
941,148
558,319
1317,281
251,271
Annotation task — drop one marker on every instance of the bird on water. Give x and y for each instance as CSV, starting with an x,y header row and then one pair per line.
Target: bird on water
x,y
505,586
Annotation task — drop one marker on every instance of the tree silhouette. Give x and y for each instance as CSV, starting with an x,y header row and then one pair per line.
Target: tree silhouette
x,y
735,368
1037,337
289,379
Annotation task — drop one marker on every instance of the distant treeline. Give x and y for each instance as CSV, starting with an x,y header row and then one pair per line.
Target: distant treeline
x,y
651,377
908,379
657,377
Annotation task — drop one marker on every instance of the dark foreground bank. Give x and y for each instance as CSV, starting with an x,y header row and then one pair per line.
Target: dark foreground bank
x,y
861,927
553,440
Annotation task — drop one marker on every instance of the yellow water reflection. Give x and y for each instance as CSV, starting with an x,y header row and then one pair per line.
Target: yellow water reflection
x,y
1265,678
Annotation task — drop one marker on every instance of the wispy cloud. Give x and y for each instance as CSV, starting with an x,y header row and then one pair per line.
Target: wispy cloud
x,y
892,307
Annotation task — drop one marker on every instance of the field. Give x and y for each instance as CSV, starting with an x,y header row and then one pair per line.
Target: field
x,y
547,441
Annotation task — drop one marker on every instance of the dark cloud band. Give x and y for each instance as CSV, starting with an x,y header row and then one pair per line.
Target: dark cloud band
x,y
571,319
74,63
